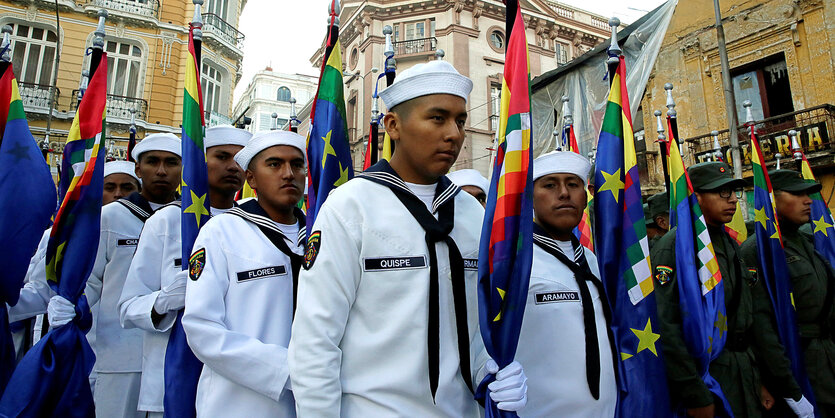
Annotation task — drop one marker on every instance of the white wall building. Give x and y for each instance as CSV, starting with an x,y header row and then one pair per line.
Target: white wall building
x,y
270,92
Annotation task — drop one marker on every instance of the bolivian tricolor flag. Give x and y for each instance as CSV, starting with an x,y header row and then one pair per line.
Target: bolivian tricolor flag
x,y
506,248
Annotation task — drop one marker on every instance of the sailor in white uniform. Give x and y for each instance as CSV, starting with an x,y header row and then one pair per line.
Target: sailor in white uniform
x,y
387,318
155,286
120,180
565,344
241,289
119,351
472,182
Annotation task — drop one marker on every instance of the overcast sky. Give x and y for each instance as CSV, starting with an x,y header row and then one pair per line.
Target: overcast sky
x,y
285,33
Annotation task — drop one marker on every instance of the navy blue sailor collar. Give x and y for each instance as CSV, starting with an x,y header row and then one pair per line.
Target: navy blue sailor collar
x,y
382,173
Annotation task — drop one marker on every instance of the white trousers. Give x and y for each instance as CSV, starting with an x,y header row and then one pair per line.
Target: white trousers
x,y
117,395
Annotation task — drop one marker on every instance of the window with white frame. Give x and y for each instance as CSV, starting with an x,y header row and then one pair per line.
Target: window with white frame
x,y
217,7
211,81
561,50
283,94
33,53
495,105
124,62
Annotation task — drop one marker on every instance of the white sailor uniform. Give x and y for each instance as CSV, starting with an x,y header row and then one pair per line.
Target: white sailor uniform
x,y
551,342
361,339
119,351
158,259
239,310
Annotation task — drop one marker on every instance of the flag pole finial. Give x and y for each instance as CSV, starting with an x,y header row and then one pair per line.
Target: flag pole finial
x,y
197,21
749,115
660,126
671,104
557,141
614,48
294,120
439,54
798,151
389,49
779,157
7,43
275,121
567,118
717,149
98,41
132,118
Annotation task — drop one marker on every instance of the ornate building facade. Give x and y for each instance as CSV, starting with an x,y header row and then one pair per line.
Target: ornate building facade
x,y
273,92
147,47
472,35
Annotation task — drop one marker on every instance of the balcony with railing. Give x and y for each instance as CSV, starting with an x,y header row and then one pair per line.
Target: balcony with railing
x,y
118,107
35,97
141,9
223,31
415,46
815,127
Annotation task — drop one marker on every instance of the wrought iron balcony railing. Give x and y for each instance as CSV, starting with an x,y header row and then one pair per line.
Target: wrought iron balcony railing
x,y
815,127
35,97
118,107
415,46
143,8
214,25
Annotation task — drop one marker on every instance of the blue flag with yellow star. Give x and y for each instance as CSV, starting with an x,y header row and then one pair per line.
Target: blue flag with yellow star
x,y
623,257
821,217
182,368
772,267
328,152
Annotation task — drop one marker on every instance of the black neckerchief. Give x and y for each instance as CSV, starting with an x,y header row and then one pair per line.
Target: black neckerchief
x,y
578,265
437,230
252,212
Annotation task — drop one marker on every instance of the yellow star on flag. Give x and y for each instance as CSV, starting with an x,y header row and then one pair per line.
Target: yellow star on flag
x,y
501,295
646,339
722,324
821,226
328,148
761,218
613,183
343,176
198,206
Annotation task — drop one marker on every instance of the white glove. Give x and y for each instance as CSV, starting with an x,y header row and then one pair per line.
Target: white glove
x,y
510,390
173,296
801,408
60,311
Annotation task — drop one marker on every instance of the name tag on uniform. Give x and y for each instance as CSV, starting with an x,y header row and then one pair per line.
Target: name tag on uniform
x,y
554,297
394,263
471,264
261,273
127,242
178,262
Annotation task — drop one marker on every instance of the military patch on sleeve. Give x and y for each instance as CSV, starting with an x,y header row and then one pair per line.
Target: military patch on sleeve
x,y
663,274
196,263
314,241
752,277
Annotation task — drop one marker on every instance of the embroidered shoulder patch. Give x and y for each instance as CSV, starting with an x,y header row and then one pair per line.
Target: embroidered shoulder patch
x,y
314,241
196,263
662,274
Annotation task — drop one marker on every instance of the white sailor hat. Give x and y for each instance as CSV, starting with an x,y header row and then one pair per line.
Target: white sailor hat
x,y
226,135
266,139
158,142
562,162
433,77
120,167
469,177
